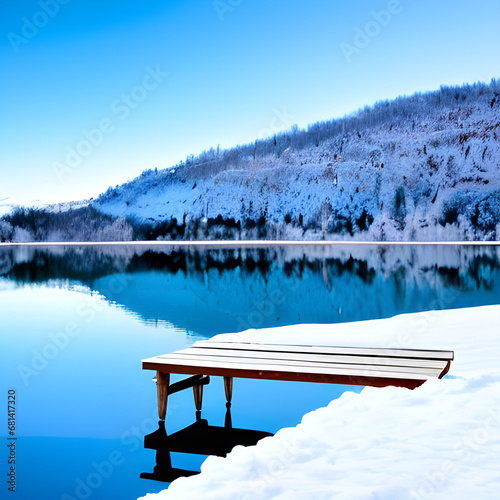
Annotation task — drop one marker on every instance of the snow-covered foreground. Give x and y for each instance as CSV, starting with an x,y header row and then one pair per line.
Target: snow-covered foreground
x,y
441,440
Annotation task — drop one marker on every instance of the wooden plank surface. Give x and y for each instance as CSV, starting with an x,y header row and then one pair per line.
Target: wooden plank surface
x,y
302,365
341,365
352,351
202,363
328,358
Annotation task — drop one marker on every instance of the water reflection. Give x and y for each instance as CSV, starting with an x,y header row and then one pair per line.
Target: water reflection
x,y
265,287
199,438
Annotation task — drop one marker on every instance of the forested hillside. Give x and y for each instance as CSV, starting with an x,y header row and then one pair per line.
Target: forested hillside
x,y
424,167
416,168
80,224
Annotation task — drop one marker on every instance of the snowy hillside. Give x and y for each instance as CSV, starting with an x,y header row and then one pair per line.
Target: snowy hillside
x,y
424,167
8,205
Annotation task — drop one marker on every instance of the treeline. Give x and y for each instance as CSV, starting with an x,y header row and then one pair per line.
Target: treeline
x,y
88,224
82,224
291,227
403,112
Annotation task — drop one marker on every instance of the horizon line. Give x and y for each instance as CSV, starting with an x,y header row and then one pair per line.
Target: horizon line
x,y
249,243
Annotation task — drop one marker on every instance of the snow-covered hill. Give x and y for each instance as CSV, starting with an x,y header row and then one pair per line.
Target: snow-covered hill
x,y
59,208
8,205
418,168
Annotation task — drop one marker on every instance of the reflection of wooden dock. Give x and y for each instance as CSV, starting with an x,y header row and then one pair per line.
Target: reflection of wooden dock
x,y
335,365
199,438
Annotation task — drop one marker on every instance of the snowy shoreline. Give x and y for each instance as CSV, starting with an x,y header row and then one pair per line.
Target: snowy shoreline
x,y
441,440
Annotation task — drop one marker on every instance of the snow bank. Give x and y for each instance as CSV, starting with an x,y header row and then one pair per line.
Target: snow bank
x,y
441,440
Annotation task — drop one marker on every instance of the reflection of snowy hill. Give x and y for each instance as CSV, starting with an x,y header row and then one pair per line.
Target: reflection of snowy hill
x,y
309,289
418,168
254,288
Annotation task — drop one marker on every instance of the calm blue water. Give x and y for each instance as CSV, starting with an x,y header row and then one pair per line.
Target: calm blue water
x,y
76,322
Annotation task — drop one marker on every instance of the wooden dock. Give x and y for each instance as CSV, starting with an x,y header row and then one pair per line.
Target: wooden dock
x,y
376,367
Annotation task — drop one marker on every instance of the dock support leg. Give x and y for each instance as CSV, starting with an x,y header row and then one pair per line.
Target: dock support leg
x,y
228,389
162,381
198,399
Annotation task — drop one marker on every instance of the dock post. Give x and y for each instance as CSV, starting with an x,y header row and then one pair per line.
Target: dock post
x,y
198,399
228,388
162,381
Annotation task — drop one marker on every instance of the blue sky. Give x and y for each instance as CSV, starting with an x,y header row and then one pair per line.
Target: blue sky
x,y
94,92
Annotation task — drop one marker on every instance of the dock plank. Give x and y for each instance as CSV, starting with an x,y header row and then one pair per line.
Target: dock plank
x,y
303,365
320,358
206,362
319,375
352,351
